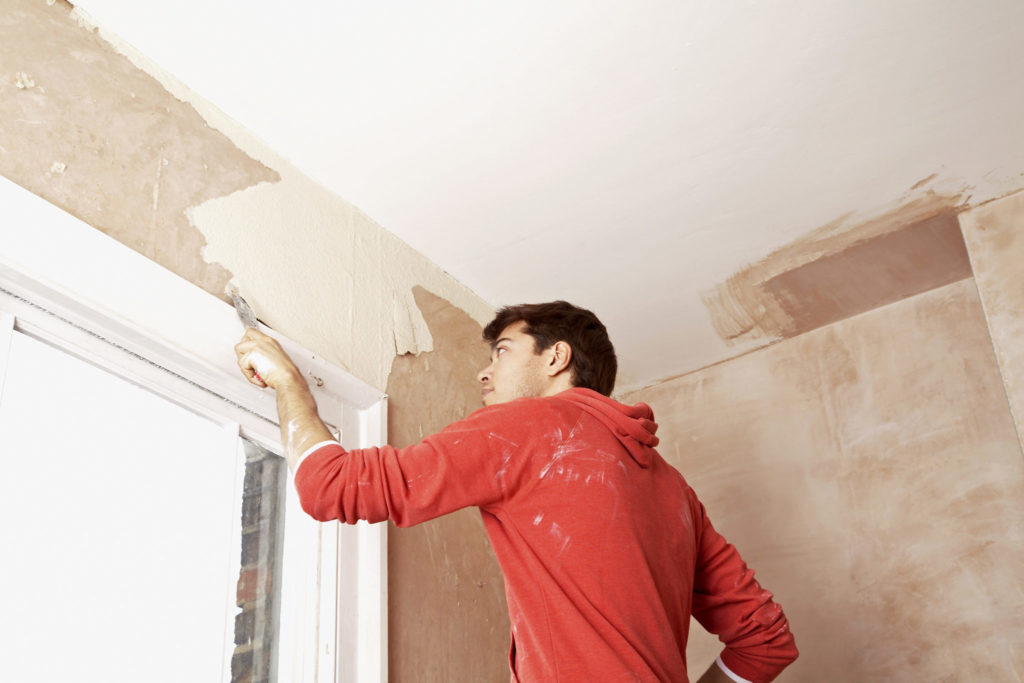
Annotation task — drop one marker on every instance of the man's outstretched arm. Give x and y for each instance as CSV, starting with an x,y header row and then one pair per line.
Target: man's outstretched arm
x,y
447,471
265,364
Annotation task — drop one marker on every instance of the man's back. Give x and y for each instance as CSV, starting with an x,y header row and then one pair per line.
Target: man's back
x,y
597,543
606,551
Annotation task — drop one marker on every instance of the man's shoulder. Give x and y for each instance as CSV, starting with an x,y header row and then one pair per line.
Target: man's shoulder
x,y
525,413
522,422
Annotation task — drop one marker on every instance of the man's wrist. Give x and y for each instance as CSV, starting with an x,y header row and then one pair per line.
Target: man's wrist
x,y
296,462
289,379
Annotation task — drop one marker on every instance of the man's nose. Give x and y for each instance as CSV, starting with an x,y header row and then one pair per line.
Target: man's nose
x,y
484,374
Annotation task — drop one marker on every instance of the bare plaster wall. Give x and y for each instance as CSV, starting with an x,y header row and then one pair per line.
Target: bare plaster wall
x,y
447,615
994,233
869,472
84,128
92,126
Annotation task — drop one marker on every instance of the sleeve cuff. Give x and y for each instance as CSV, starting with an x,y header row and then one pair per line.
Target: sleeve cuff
x,y
309,451
728,672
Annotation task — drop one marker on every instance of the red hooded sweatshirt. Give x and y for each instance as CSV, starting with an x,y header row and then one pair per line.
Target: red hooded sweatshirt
x,y
605,549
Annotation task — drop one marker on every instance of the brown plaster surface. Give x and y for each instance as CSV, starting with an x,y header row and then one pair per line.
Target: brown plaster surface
x,y
870,473
446,596
841,270
84,128
994,233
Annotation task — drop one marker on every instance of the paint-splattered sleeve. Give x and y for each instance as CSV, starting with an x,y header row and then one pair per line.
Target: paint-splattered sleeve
x,y
469,463
730,603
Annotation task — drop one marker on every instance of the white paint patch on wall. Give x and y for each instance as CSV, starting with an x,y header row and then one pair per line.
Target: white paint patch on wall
x,y
320,271
313,266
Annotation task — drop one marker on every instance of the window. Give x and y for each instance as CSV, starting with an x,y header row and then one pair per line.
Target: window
x,y
118,509
72,320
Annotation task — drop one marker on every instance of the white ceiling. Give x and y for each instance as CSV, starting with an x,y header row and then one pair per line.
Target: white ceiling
x,y
624,156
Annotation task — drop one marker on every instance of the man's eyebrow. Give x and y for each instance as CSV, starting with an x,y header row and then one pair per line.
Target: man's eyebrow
x,y
498,341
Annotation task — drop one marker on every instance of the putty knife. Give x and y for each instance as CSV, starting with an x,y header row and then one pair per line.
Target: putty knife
x,y
244,310
246,315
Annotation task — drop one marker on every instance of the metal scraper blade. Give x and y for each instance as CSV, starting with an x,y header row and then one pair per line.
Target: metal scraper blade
x,y
244,310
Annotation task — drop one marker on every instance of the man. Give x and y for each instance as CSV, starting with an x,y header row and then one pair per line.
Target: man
x,y
605,549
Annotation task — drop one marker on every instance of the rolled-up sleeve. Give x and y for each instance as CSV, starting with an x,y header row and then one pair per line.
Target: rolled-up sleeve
x,y
730,603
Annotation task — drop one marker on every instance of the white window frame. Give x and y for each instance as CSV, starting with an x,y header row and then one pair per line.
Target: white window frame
x,y
67,284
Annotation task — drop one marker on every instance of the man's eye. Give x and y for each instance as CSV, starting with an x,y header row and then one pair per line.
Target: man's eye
x,y
498,352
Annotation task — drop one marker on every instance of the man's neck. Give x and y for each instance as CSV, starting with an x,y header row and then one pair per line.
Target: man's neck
x,y
557,387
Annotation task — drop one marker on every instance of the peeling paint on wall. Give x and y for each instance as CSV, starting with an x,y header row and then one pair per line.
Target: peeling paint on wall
x,y
840,270
87,130
94,127
319,270
313,266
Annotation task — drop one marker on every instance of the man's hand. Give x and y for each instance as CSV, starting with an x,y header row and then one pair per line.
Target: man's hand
x,y
264,362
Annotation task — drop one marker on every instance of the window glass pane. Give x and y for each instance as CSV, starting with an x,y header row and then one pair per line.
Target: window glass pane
x,y
257,621
117,508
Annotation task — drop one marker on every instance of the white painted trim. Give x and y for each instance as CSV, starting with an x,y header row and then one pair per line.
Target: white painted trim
x,y
327,606
349,618
362,655
234,540
345,639
299,595
6,332
373,568
42,314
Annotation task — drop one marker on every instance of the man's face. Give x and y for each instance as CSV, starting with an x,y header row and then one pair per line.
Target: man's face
x,y
516,370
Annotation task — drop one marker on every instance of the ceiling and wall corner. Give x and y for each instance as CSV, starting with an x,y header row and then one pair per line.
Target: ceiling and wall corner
x,y
994,233
630,158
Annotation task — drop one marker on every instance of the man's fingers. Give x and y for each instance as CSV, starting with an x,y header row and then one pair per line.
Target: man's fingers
x,y
253,333
260,356
243,347
254,378
263,361
244,357
250,369
246,366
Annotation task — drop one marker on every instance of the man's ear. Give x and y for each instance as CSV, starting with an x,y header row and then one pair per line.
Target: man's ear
x,y
560,354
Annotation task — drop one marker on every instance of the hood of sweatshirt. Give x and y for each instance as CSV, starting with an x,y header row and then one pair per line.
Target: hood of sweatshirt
x,y
634,426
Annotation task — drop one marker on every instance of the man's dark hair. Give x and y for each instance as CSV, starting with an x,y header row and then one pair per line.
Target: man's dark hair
x,y
593,361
